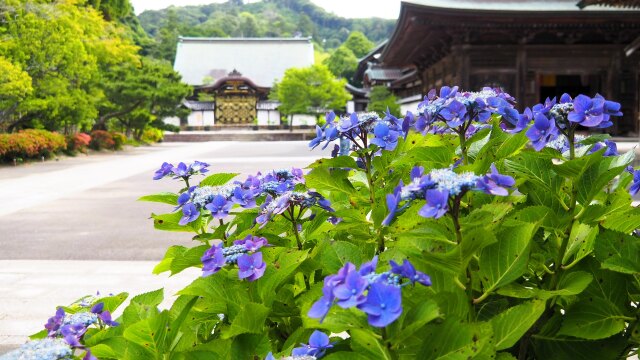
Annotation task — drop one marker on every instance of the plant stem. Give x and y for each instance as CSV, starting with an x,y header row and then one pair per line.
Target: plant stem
x,y
372,200
294,223
463,147
455,215
224,234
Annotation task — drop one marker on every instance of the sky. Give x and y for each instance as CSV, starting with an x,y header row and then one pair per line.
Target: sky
x,y
388,9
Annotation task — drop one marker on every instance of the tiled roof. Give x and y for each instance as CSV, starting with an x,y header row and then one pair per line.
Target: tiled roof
x,y
199,105
383,74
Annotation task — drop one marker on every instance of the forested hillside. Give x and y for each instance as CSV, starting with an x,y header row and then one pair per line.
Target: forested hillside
x,y
267,18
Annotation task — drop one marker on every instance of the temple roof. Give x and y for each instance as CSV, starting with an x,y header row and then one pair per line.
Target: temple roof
x,y
263,60
427,29
612,3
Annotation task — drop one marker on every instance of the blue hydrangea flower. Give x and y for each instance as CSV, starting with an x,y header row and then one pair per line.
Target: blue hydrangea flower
x,y
189,214
42,349
383,304
251,267
635,185
437,204
213,260
219,207
252,243
496,183
350,292
407,271
55,322
165,169
543,131
317,346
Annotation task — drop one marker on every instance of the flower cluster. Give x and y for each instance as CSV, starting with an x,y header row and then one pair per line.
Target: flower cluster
x,y
181,171
72,327
42,349
315,349
219,200
458,110
441,185
357,128
561,143
377,294
242,253
555,117
290,200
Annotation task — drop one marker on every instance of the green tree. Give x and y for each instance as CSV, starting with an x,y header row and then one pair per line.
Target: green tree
x,y
342,62
140,94
382,99
248,25
63,47
167,39
310,90
359,44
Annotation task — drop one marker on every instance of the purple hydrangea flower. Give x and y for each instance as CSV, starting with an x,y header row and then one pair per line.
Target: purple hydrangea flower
x,y
383,304
189,214
252,243
495,183
244,198
635,185
543,131
103,315
251,267
165,169
612,148
320,308
407,271
437,204
55,322
213,260
587,111
350,292
219,207
198,167
182,170
318,345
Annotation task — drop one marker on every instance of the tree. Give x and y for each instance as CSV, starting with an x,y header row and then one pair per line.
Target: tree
x,y
63,47
248,25
342,62
382,99
140,94
359,44
167,39
310,90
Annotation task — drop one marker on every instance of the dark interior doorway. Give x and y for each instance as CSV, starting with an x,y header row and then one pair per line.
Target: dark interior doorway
x,y
555,85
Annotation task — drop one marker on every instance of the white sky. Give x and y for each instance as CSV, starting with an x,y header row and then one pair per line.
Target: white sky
x,y
388,9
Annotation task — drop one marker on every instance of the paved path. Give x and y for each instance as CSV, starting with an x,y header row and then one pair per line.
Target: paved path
x,y
72,227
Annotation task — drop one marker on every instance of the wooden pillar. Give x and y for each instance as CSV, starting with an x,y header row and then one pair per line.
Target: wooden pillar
x,y
521,76
612,86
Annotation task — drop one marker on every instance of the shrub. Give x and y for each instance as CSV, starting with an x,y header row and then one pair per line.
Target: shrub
x,y
480,234
119,139
152,135
101,139
78,142
30,144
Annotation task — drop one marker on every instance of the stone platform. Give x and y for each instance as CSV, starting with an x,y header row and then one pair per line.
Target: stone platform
x,y
241,135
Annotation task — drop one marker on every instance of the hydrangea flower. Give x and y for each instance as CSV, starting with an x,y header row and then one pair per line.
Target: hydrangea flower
x,y
543,131
189,214
439,186
242,252
635,185
317,346
42,349
377,294
301,200
357,128
183,170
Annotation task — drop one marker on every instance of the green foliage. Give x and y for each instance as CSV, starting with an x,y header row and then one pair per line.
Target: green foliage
x,y
309,90
342,62
549,271
270,18
382,99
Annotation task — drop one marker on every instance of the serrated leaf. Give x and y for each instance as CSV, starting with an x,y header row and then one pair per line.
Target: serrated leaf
x,y
624,222
273,278
618,252
595,319
346,162
164,197
335,180
249,320
217,179
170,222
416,318
511,325
368,344
149,333
506,260
165,263
581,241
456,340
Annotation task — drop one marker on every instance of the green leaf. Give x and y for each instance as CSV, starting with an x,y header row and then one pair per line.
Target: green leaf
x,y
624,222
333,255
217,179
597,175
505,356
273,278
618,252
335,180
346,162
141,306
149,333
164,197
250,320
416,318
172,253
367,344
102,351
506,260
170,222
111,303
190,258
511,325
456,340
581,241
562,348
595,319
438,156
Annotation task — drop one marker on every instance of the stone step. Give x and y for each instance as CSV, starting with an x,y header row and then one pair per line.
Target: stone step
x,y
239,136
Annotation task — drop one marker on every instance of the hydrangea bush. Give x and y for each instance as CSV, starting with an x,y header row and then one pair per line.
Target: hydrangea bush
x,y
466,230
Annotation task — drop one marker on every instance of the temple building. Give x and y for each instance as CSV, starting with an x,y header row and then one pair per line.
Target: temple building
x,y
232,78
533,49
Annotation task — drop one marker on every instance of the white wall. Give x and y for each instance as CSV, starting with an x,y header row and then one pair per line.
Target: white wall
x,y
201,118
412,106
172,121
303,119
268,117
